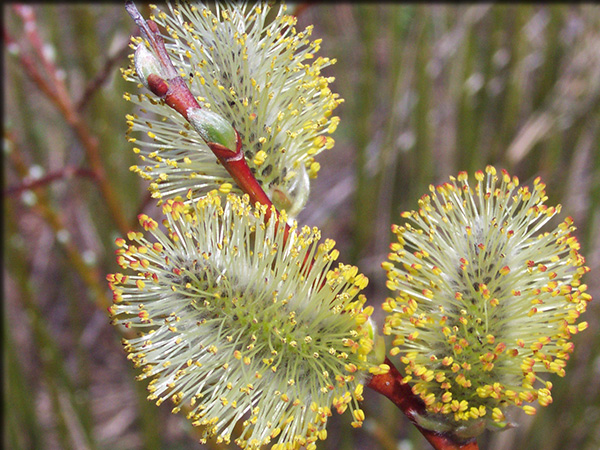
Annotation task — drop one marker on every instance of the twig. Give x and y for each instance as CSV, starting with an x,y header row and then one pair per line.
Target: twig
x,y
142,207
31,32
89,275
391,386
300,8
65,173
101,77
55,89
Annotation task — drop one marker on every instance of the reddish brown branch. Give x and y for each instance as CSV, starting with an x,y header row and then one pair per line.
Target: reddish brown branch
x,y
27,15
240,171
56,91
443,442
300,8
391,386
56,221
65,173
101,77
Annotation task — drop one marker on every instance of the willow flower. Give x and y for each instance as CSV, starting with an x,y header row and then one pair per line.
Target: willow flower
x,y
260,75
485,300
235,324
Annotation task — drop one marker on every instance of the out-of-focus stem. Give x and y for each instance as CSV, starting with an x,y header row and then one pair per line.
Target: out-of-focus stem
x,y
101,77
62,174
363,206
55,90
18,396
62,389
89,276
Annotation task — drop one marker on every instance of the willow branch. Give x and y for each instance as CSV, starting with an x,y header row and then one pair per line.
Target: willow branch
x,y
101,77
176,94
90,275
55,90
391,386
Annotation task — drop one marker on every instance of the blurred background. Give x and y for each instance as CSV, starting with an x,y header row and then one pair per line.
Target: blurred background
x,y
429,90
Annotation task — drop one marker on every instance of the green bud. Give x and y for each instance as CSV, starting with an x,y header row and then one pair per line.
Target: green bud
x,y
377,355
292,194
432,422
212,127
145,64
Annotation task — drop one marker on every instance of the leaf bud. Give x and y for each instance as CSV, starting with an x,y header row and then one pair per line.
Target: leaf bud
x,y
212,127
145,64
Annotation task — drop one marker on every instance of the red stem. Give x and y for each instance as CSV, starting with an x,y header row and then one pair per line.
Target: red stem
x,y
391,386
177,95
239,170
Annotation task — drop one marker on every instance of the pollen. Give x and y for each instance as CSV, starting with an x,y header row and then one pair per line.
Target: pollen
x,y
210,298
260,158
225,188
502,304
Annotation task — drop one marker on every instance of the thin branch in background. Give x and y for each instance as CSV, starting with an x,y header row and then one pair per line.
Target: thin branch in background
x,y
30,28
101,77
93,279
143,205
300,8
549,431
63,174
89,275
53,86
